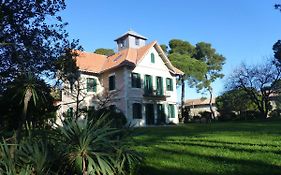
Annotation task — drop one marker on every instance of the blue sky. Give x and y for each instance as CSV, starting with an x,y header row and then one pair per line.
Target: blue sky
x,y
241,30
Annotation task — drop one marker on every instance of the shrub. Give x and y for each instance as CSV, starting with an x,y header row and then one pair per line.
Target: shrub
x,y
115,116
227,116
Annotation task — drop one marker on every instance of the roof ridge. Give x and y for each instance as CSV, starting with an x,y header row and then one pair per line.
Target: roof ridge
x,y
86,52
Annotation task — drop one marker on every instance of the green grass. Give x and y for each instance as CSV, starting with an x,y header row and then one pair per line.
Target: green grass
x,y
218,148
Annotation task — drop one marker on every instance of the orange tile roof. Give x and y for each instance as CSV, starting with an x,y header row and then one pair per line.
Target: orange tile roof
x,y
201,101
97,63
90,62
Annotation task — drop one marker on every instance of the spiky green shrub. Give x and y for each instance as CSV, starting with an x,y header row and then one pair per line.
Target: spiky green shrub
x,y
93,147
23,159
77,147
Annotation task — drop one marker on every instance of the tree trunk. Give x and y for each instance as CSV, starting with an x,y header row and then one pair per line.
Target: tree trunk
x,y
210,104
77,101
182,98
84,168
27,98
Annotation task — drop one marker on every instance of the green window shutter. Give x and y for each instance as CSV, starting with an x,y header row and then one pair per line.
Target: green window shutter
x,y
94,85
172,87
137,111
111,80
152,58
148,84
159,85
171,111
169,84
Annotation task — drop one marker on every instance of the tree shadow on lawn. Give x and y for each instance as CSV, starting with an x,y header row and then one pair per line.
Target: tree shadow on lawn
x,y
235,143
230,146
152,135
255,166
149,170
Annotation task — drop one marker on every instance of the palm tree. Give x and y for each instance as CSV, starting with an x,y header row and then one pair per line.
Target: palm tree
x,y
28,87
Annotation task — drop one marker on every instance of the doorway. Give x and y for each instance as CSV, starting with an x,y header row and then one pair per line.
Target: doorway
x,y
149,114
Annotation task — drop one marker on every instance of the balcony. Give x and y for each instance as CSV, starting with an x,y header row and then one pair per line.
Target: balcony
x,y
156,93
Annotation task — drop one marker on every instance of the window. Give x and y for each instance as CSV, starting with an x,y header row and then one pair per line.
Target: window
x,y
169,84
152,58
148,84
69,112
159,85
136,80
91,85
111,80
122,44
171,111
137,41
137,112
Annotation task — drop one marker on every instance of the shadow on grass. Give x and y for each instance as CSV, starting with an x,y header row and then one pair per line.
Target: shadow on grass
x,y
253,165
152,135
148,170
230,146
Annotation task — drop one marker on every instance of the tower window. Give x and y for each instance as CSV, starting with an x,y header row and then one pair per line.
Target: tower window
x,y
137,41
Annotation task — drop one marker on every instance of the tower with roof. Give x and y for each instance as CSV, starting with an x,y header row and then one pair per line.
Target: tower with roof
x,y
130,39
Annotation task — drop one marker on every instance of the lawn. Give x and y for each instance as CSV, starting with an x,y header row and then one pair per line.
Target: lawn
x,y
219,148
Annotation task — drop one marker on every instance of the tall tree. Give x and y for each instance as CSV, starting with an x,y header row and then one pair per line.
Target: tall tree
x,y
259,82
214,61
181,55
104,51
30,41
33,40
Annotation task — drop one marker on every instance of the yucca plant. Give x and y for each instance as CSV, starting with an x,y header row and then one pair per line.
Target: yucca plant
x,y
35,154
87,146
8,162
30,156
93,147
127,160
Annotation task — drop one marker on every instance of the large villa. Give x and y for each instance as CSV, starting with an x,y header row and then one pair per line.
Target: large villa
x,y
139,77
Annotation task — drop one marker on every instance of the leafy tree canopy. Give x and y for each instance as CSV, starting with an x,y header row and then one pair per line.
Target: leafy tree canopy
x,y
164,47
214,62
181,47
32,37
191,67
104,51
236,100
